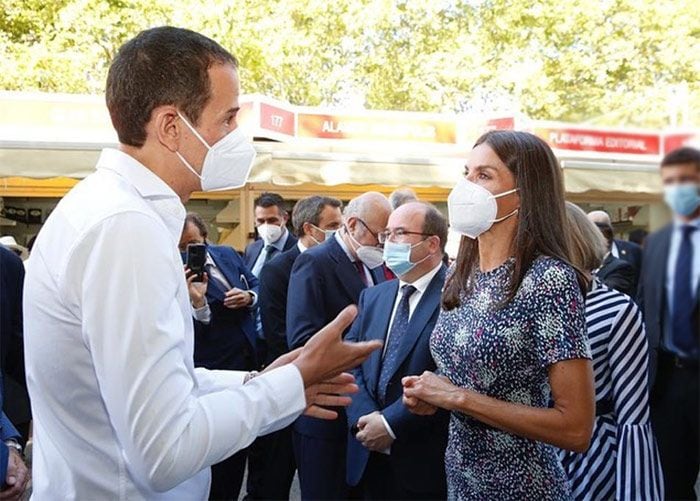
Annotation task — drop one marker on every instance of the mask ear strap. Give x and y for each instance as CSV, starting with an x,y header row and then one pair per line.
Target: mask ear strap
x,y
505,193
506,216
194,131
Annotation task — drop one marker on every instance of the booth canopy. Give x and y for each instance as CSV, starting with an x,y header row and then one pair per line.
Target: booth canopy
x,y
54,135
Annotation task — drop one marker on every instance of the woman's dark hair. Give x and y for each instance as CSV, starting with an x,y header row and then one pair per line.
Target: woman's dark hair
x,y
542,223
160,66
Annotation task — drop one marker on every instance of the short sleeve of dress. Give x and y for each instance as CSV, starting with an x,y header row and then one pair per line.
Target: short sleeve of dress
x,y
559,313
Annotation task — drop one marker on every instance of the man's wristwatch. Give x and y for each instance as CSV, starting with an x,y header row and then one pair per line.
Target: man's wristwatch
x,y
14,444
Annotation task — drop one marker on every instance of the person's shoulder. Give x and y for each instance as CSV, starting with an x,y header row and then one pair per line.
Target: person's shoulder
x,y
551,267
659,235
252,245
9,258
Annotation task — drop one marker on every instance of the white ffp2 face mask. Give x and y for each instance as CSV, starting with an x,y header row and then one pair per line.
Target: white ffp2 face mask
x,y
269,233
227,164
473,208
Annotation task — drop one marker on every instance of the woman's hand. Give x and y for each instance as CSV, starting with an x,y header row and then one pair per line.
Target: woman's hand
x,y
426,393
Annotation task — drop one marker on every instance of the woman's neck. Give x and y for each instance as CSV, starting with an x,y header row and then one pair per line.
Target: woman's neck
x,y
497,244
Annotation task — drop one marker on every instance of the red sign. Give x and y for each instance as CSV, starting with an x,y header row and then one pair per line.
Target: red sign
x,y
678,140
377,128
276,119
506,123
601,140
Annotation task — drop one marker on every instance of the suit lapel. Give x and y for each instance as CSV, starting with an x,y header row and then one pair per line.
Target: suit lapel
x,y
425,309
227,268
347,273
382,309
661,271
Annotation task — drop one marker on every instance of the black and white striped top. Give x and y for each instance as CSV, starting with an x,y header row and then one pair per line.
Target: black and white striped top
x,y
622,461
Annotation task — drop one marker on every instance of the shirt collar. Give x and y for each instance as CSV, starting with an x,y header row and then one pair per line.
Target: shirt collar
x,y
678,224
301,246
341,242
422,283
160,197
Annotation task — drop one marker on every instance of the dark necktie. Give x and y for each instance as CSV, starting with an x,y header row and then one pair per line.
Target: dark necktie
x,y
269,251
684,334
361,270
391,353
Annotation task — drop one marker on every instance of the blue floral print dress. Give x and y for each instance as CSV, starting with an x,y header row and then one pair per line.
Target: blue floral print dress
x,y
504,351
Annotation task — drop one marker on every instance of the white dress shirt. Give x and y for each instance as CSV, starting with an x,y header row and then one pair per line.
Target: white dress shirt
x,y
421,286
119,410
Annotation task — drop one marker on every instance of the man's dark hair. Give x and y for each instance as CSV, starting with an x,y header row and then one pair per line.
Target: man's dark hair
x,y
198,222
684,155
268,199
435,223
638,236
309,209
160,66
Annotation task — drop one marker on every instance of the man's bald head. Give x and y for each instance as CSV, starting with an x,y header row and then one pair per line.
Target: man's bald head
x,y
599,217
602,220
365,205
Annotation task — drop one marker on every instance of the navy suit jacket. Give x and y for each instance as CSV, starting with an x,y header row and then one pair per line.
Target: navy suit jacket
x,y
253,250
11,354
274,280
418,453
651,295
323,282
229,341
619,274
630,252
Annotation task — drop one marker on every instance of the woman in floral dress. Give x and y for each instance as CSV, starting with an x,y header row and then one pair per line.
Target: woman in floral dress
x,y
511,336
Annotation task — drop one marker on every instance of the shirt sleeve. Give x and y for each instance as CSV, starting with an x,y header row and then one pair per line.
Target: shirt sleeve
x,y
202,314
559,324
170,421
638,468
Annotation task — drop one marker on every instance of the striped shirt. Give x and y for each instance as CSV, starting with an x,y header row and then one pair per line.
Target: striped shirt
x,y
622,461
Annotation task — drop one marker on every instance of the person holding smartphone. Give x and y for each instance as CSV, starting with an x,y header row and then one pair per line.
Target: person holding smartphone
x,y
223,293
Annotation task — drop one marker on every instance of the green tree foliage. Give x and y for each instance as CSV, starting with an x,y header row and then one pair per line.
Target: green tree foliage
x,y
612,62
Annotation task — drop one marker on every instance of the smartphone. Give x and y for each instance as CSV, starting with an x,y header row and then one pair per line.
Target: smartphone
x,y
196,257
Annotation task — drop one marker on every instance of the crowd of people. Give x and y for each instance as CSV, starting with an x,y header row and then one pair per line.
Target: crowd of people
x,y
549,360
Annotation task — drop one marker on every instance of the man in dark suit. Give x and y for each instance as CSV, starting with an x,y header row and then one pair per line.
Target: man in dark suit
x,y
224,329
393,453
13,471
271,225
324,280
615,272
271,463
669,295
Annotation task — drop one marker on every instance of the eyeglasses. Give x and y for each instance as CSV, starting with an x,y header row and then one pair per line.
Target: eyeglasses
x,y
384,236
375,235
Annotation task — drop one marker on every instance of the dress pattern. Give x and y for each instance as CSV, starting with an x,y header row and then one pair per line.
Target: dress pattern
x,y
504,351
622,461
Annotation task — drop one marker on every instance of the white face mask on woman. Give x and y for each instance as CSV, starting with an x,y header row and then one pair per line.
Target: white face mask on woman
x,y
227,164
473,208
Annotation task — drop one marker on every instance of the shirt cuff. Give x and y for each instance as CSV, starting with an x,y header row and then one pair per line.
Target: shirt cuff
x,y
202,314
255,299
388,428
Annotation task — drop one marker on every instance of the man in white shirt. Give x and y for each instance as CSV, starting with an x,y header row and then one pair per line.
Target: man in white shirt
x,y
119,410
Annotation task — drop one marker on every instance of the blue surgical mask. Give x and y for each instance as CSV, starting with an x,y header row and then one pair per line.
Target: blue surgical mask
x,y
398,257
683,199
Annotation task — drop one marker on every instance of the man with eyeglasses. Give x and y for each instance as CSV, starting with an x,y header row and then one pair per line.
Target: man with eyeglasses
x,y
393,453
324,280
